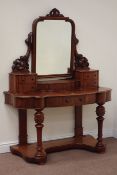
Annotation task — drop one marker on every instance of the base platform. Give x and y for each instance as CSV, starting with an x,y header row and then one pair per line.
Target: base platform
x,y
28,151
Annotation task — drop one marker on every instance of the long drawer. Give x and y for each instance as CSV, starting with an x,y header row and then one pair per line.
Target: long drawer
x,y
64,101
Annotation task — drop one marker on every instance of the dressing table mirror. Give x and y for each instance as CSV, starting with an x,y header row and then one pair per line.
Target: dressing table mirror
x,y
53,47
59,76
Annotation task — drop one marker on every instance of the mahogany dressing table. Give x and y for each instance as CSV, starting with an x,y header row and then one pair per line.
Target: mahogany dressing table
x,y
75,85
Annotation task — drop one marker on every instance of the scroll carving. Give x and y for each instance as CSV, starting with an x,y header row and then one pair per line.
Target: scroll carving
x,y
81,62
55,13
21,64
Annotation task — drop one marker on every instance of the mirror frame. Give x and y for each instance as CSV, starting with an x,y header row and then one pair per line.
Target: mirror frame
x,y
54,15
78,61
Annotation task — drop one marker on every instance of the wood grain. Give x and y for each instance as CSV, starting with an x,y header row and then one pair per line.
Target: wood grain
x,y
28,151
80,86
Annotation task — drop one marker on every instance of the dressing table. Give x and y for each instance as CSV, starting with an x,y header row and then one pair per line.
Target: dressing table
x,y
59,76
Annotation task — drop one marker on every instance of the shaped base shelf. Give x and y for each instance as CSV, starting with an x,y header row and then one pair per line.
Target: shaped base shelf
x,y
28,151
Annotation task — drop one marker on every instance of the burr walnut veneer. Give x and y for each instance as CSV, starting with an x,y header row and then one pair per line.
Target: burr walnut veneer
x,y
77,87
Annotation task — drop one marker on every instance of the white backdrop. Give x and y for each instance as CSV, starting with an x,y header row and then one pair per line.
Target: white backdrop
x,y
96,28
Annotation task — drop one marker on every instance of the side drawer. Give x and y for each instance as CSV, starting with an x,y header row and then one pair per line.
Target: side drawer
x,y
64,101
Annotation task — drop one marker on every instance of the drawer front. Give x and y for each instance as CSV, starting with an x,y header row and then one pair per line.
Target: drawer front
x,y
90,83
27,79
20,83
64,101
30,103
91,75
90,80
26,87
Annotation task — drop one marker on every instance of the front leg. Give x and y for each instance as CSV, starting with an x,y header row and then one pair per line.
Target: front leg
x,y
100,111
40,152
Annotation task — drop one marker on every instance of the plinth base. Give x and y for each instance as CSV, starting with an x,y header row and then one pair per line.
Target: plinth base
x,y
28,151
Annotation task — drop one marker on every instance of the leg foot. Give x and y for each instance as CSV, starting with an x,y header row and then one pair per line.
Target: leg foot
x,y
100,148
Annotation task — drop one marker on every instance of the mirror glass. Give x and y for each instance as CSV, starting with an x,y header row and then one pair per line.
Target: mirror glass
x,y
53,47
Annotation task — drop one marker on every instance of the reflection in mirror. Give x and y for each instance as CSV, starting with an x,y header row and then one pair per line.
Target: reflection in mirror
x,y
53,47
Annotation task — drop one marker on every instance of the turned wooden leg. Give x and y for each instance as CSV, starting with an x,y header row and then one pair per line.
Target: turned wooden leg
x,y
100,111
22,113
78,121
40,153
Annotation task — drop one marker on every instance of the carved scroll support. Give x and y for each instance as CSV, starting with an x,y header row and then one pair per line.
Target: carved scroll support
x,y
81,62
21,64
100,111
40,152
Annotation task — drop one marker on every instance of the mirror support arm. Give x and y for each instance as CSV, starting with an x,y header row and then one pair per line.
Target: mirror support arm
x,y
21,64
